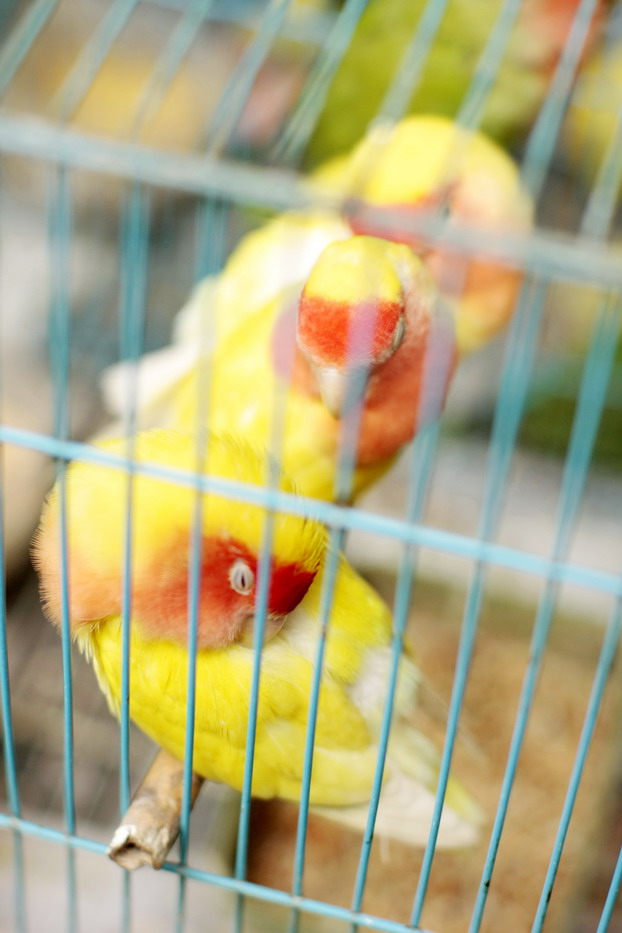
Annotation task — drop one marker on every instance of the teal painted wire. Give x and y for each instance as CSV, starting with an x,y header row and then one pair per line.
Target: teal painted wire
x,y
226,882
332,515
17,46
296,134
331,567
520,350
8,737
422,457
194,586
209,236
422,460
601,207
170,61
60,347
612,896
487,69
235,95
134,245
605,661
591,401
212,221
346,463
72,924
261,606
277,434
543,137
19,883
414,59
92,56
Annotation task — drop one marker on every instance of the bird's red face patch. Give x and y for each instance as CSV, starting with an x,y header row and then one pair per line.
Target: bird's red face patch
x,y
228,588
335,333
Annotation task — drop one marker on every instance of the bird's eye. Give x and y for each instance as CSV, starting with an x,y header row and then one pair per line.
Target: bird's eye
x,y
241,577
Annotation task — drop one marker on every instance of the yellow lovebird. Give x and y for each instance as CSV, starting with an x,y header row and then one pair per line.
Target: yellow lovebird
x,y
358,649
427,163
359,359
424,163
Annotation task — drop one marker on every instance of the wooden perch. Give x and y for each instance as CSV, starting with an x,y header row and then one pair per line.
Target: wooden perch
x,y
151,823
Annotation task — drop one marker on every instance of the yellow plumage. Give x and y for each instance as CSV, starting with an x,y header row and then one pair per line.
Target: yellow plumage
x,y
357,658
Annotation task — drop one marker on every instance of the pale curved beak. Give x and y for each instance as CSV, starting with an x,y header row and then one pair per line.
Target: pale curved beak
x,y
341,389
272,627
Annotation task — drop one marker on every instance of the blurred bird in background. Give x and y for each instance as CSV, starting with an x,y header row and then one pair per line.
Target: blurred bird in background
x,y
381,40
358,648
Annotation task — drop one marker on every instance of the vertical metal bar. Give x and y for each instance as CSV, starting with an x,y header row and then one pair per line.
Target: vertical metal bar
x,y
8,738
73,89
414,60
208,237
331,567
277,426
19,880
235,95
261,606
134,246
422,455
211,236
21,39
612,896
605,661
194,584
60,350
422,460
300,126
487,69
170,60
543,137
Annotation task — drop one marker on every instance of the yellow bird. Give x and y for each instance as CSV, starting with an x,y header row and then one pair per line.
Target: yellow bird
x,y
358,650
360,359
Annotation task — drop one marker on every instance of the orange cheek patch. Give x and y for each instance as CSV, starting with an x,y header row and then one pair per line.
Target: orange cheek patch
x,y
335,332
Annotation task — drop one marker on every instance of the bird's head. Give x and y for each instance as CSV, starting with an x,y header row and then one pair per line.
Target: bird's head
x,y
353,314
164,516
428,165
428,162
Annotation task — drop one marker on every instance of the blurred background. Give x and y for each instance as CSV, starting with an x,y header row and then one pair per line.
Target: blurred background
x,y
183,123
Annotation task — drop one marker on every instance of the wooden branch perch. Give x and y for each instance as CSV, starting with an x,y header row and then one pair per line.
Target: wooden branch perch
x,y
151,824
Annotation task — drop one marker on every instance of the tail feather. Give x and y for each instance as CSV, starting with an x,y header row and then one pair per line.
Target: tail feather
x,y
405,813
408,797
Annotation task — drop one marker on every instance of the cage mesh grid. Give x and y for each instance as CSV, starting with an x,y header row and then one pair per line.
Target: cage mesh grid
x,y
546,256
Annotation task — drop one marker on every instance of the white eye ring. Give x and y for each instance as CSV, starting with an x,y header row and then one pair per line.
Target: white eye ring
x,y
241,577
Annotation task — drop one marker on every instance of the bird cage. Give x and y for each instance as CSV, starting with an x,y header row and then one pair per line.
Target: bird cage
x,y
141,140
